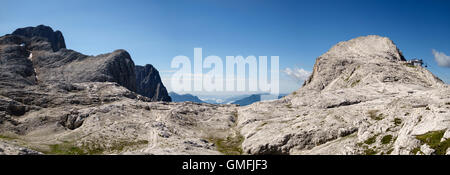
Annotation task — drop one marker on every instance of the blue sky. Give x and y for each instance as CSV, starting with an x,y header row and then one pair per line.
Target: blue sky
x,y
297,31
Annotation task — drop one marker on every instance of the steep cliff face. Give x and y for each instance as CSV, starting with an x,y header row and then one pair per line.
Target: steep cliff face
x,y
149,84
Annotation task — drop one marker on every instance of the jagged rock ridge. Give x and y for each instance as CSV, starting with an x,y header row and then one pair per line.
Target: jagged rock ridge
x,y
149,84
55,38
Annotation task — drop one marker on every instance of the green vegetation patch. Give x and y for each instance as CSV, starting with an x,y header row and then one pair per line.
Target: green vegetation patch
x,y
371,140
5,137
370,152
415,150
69,148
355,83
409,65
65,149
230,145
397,121
386,139
433,139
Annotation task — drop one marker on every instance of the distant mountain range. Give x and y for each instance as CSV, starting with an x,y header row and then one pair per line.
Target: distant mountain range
x,y
242,100
184,97
222,99
252,99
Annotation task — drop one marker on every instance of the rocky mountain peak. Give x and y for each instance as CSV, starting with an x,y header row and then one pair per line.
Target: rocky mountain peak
x,y
149,84
372,46
363,61
55,38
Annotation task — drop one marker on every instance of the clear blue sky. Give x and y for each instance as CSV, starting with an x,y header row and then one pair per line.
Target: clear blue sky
x,y
297,31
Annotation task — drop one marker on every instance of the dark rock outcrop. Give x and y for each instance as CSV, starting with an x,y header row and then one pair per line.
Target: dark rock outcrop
x,y
149,84
16,70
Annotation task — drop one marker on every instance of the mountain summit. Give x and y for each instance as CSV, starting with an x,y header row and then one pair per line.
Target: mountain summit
x,y
55,38
366,60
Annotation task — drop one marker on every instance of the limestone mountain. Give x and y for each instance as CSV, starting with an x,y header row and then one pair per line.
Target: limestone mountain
x,y
362,98
362,61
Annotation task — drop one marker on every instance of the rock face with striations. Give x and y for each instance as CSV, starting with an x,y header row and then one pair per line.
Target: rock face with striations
x,y
362,98
149,84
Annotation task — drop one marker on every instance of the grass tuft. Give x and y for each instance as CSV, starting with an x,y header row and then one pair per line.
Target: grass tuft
x,y
397,121
229,145
355,83
5,137
433,139
69,148
386,139
371,140
415,150
370,152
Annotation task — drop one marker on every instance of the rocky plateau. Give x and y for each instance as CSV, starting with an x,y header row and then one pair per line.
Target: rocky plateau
x,y
362,98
